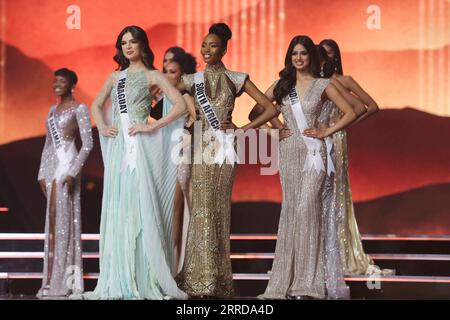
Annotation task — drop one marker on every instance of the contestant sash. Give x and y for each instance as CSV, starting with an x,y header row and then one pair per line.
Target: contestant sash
x,y
313,158
65,157
130,156
226,140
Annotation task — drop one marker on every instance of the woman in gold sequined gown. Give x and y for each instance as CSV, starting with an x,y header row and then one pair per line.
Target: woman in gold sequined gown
x,y
298,269
354,259
207,267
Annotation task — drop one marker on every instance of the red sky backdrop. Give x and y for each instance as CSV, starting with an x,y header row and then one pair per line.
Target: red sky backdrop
x,y
406,63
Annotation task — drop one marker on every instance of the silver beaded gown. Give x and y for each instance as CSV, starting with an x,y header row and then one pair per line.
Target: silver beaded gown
x,y
63,267
355,260
299,266
335,283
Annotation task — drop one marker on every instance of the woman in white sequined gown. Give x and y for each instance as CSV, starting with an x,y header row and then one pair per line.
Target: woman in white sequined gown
x,y
63,265
298,270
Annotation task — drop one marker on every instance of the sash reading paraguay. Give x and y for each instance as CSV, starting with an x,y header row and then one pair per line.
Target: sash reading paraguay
x,y
64,157
130,157
226,150
313,158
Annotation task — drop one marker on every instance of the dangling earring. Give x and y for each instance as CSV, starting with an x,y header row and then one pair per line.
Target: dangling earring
x,y
322,74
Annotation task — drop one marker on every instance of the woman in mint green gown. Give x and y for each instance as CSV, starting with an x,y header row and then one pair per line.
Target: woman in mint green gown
x,y
136,246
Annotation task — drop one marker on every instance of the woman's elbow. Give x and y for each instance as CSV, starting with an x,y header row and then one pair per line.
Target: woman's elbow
x,y
351,114
360,109
276,112
254,113
272,111
373,108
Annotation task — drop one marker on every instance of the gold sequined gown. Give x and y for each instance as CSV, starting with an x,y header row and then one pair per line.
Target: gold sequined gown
x,y
354,260
299,265
207,267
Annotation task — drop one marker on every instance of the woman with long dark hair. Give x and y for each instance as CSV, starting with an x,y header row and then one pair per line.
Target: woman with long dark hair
x,y
298,270
136,247
354,259
336,287
207,266
60,181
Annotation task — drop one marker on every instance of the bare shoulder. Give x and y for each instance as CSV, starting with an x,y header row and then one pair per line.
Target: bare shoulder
x,y
113,78
330,89
334,79
81,106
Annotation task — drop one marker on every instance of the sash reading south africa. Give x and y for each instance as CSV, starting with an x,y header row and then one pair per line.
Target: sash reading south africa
x,y
226,150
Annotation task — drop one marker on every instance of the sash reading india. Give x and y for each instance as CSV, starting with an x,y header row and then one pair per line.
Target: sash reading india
x,y
226,150
65,157
313,158
130,156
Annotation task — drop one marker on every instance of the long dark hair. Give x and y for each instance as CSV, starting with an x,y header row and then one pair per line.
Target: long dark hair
x,y
337,53
139,34
327,64
288,76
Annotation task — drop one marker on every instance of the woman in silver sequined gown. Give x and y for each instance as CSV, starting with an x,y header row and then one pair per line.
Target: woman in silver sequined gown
x,y
298,269
63,266
354,258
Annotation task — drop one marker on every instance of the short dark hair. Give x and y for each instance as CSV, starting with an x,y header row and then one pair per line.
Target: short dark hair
x,y
68,74
186,61
174,50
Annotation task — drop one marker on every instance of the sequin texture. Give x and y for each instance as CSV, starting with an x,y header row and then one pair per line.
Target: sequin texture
x,y
63,268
